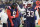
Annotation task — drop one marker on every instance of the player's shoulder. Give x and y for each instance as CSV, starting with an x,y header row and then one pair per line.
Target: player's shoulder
x,y
9,7
32,9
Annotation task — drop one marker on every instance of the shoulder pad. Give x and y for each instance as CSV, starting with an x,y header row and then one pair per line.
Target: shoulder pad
x,y
9,7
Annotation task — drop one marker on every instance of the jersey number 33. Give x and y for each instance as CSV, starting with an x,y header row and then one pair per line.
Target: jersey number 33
x,y
30,13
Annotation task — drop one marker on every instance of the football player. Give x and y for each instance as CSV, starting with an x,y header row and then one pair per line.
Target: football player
x,y
13,16
30,15
37,10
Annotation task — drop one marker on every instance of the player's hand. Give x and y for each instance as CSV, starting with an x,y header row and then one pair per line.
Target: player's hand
x,y
12,24
22,22
12,16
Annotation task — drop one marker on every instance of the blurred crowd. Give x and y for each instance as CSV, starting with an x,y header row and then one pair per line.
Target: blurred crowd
x,y
4,3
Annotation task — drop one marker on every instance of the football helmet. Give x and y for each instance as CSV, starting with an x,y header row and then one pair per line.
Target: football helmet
x,y
30,4
14,5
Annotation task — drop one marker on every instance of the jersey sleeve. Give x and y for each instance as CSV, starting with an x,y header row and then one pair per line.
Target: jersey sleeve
x,y
17,14
9,15
9,7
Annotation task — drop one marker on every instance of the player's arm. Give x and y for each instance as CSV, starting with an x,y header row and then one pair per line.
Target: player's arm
x,y
38,7
9,15
17,14
37,16
21,10
18,7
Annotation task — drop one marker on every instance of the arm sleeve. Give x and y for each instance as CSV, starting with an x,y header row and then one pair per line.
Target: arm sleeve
x,y
9,15
19,8
17,14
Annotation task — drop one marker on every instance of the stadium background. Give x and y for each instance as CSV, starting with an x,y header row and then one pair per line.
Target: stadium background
x,y
4,3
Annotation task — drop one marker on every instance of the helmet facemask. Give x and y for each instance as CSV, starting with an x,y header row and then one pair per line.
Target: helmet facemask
x,y
29,5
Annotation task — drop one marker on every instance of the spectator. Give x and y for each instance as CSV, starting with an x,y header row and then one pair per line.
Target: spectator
x,y
4,17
